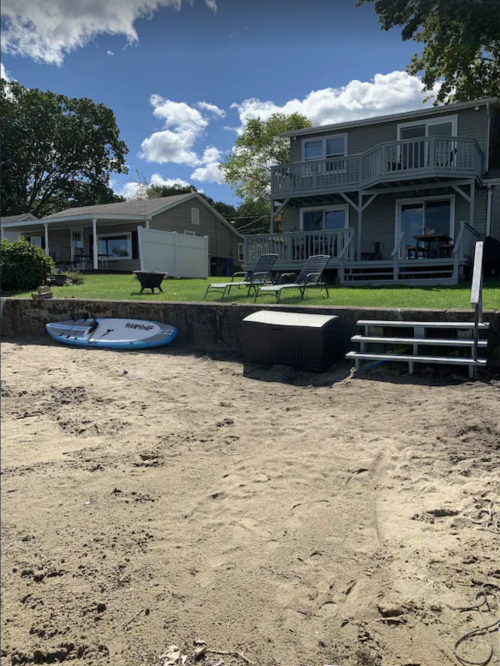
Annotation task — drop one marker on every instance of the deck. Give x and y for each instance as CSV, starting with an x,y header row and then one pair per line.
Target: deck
x,y
396,162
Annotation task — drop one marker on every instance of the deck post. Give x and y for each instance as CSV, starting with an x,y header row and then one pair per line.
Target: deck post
x,y
46,226
147,222
271,221
472,202
360,223
95,248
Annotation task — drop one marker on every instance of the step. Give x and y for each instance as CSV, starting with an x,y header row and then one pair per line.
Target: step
x,y
408,358
431,342
459,325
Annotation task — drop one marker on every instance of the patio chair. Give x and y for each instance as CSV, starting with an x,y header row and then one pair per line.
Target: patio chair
x,y
310,276
262,274
376,250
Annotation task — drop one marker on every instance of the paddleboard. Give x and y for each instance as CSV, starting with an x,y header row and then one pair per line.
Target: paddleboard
x,y
112,333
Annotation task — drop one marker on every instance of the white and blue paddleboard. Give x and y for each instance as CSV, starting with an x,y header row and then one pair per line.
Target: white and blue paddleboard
x,y
112,333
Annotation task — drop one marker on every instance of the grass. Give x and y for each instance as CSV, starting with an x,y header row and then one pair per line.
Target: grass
x,y
126,287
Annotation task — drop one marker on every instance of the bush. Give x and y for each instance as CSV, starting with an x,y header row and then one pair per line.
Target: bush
x,y
75,278
24,266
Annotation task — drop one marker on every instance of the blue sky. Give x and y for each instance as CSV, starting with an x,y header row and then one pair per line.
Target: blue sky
x,y
183,80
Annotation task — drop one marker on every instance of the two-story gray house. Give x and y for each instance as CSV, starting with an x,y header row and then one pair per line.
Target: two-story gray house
x,y
399,198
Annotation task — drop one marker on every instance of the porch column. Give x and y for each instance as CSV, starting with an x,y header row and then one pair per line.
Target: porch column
x,y
95,248
3,233
147,222
271,222
46,226
472,203
360,223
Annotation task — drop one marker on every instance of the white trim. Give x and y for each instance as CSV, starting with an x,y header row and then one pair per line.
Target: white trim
x,y
323,140
401,202
189,233
124,233
441,120
344,207
445,108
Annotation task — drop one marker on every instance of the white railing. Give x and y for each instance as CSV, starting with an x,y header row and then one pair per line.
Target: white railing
x,y
317,175
430,154
464,245
476,297
396,253
296,247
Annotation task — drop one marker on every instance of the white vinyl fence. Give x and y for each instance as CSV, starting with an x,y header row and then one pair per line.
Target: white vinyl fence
x,y
178,255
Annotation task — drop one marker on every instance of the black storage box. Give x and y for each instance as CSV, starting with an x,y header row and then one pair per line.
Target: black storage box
x,y
305,341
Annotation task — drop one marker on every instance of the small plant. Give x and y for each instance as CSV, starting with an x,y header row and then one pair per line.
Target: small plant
x,y
24,266
75,277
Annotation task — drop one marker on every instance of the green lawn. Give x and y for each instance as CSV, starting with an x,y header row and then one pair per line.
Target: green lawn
x,y
126,287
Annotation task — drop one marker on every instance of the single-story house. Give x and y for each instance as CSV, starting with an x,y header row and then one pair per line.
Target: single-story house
x,y
70,234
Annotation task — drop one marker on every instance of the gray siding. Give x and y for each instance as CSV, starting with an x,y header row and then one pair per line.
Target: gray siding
x,y
379,219
471,125
495,212
223,242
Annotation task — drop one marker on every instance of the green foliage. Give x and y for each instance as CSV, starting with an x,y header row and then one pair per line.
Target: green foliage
x,y
24,266
461,41
57,152
75,278
247,169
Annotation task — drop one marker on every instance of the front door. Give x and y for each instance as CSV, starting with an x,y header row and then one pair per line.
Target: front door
x,y
76,243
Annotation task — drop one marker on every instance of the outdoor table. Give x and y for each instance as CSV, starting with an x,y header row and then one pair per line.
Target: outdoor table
x,y
429,239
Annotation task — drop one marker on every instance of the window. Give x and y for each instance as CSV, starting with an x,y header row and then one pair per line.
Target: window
x,y
35,240
324,148
321,219
189,233
415,153
432,215
195,216
115,247
241,252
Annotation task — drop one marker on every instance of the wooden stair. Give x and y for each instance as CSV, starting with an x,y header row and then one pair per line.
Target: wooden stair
x,y
416,341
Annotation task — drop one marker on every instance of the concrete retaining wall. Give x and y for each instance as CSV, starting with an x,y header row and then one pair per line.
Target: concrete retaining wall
x,y
210,327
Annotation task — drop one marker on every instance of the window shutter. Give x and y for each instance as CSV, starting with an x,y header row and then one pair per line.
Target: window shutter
x,y
135,245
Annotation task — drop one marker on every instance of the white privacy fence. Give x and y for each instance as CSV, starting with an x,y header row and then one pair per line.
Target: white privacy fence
x,y
176,254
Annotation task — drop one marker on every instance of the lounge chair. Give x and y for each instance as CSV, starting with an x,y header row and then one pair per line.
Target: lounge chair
x,y
310,276
262,274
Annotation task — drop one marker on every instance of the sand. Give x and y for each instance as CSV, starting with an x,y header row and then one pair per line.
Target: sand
x,y
151,500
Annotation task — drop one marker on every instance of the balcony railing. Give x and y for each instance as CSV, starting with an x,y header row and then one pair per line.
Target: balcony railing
x,y
295,247
396,160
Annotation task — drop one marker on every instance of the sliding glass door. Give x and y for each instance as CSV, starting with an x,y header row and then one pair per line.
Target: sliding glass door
x,y
417,217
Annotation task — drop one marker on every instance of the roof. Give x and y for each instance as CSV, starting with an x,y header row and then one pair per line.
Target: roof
x,y
141,207
445,108
136,211
9,219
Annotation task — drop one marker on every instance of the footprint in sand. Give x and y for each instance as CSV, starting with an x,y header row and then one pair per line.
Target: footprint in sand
x,y
249,526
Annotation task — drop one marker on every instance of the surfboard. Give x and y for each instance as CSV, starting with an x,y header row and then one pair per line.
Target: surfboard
x,y
112,333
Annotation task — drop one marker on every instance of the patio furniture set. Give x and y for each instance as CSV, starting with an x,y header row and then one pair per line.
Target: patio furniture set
x,y
78,261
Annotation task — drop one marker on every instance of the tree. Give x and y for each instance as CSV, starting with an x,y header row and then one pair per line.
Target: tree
x,y
247,169
461,43
57,152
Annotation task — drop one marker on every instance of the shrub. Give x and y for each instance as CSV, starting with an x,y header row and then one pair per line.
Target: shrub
x,y
75,278
24,266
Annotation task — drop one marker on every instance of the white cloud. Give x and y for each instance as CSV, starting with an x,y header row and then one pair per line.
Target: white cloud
x,y
109,52
184,125
212,108
209,173
46,31
211,154
3,73
134,189
384,94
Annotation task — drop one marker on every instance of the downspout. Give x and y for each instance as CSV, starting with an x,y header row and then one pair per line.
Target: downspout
x,y
488,211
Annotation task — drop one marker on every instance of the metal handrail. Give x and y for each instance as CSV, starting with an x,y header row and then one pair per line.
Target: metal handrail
x,y
476,297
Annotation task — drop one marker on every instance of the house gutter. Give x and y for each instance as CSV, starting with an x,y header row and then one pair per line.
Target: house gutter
x,y
488,211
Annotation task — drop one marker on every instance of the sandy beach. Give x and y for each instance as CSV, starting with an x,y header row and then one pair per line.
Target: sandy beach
x,y
157,499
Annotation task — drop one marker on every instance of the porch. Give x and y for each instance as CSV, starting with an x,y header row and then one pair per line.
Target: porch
x,y
397,265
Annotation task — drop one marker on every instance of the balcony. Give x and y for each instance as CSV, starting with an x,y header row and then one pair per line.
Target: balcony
x,y
394,162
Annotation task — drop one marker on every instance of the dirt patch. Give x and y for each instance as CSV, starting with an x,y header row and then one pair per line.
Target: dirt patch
x,y
280,517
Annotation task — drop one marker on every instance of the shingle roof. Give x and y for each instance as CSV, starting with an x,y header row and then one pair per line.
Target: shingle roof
x,y
139,207
17,218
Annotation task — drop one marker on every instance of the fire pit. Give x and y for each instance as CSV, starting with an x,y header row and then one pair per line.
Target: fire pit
x,y
150,280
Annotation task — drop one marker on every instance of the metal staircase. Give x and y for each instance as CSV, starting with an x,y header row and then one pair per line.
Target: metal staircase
x,y
411,342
